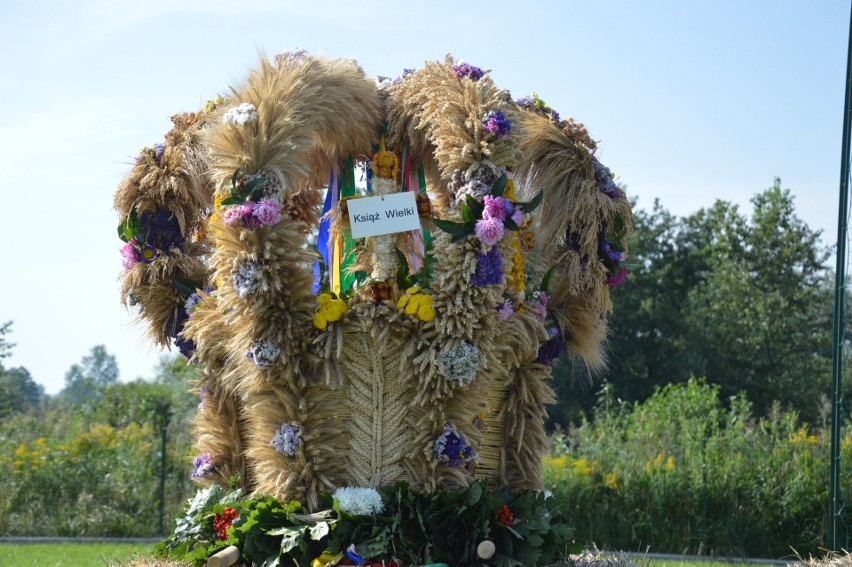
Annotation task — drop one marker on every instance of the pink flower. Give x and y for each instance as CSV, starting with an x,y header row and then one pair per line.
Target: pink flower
x,y
128,255
489,231
538,305
234,216
247,214
267,211
505,310
613,280
494,208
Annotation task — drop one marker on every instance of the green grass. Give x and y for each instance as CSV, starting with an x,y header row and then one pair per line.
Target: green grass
x,y
65,554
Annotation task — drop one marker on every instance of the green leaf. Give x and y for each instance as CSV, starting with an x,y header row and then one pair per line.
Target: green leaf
x,y
476,207
545,281
531,205
318,530
510,224
402,270
232,200
499,186
185,287
467,215
454,228
293,537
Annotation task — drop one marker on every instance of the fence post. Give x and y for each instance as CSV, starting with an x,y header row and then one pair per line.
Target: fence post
x,y
835,506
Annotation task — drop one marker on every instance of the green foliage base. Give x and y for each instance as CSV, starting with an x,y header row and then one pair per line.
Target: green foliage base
x,y
412,529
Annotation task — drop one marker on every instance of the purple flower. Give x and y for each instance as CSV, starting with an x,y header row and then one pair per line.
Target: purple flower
x,y
202,466
526,102
496,123
518,216
613,280
495,208
162,229
603,177
287,440
552,348
155,153
504,309
451,449
489,231
604,247
185,346
267,212
192,302
464,70
489,268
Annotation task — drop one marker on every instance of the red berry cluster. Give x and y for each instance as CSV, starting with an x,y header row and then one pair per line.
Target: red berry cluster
x,y
505,516
223,521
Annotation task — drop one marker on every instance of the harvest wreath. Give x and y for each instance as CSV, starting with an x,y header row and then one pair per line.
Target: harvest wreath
x,y
404,349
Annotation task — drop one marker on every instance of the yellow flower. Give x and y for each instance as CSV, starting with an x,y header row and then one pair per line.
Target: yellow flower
x,y
584,466
555,461
327,559
610,480
509,191
413,289
21,451
328,310
403,299
670,465
320,322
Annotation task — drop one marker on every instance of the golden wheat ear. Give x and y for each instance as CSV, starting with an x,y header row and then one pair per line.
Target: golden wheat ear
x,y
573,216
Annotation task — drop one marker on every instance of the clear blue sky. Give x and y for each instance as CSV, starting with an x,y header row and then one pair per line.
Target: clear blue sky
x,y
692,102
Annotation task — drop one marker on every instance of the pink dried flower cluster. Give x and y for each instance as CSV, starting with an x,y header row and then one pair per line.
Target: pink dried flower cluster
x,y
505,310
538,305
490,228
267,212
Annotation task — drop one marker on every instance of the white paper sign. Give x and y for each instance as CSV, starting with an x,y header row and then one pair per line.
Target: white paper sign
x,y
387,214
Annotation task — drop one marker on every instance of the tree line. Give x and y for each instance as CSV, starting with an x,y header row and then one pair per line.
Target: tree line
x,y
744,301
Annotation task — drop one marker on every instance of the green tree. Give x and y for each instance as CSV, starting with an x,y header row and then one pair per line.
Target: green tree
x,y
761,320
18,391
96,370
745,302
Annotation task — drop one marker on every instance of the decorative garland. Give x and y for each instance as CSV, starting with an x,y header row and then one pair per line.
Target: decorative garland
x,y
391,525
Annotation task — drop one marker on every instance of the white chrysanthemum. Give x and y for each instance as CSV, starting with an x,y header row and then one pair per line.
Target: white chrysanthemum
x,y
246,279
359,501
241,115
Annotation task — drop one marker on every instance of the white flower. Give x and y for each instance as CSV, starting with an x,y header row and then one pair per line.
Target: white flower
x,y
460,363
359,501
246,279
383,83
286,440
263,353
241,115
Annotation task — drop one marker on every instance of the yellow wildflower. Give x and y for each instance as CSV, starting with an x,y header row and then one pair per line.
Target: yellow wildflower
x,y
555,461
610,480
670,465
584,466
